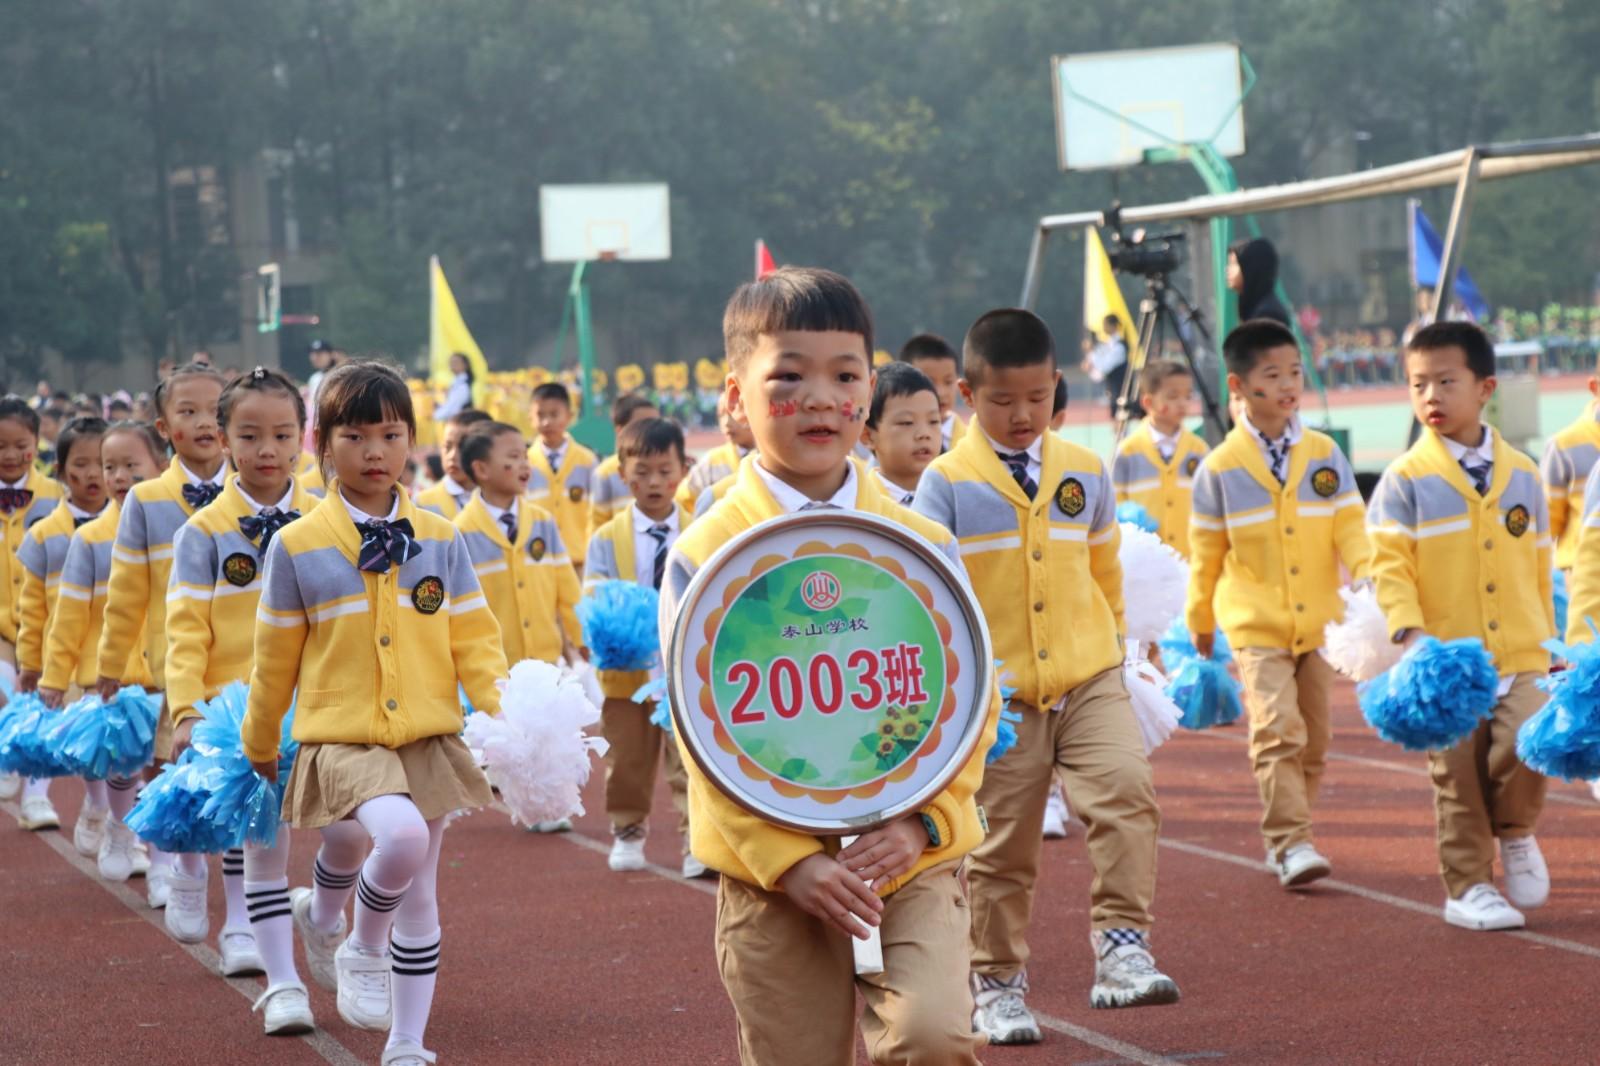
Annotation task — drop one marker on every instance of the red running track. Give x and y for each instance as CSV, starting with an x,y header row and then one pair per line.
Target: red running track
x,y
551,958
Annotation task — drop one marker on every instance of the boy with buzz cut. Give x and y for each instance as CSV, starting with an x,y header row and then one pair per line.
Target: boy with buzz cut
x,y
1568,458
799,344
610,492
517,549
563,469
932,354
633,546
1035,517
1461,548
450,494
1276,510
1156,462
720,462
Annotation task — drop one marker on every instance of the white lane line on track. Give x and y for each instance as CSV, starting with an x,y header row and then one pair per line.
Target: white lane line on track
x,y
1374,896
1127,1052
1405,768
318,1040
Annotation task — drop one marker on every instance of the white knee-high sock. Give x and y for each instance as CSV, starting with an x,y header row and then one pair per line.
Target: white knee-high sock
x,y
190,864
333,877
122,793
266,893
415,970
36,786
400,841
96,796
233,891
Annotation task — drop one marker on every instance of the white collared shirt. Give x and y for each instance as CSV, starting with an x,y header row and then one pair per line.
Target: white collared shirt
x,y
17,486
790,499
496,512
458,492
1484,452
899,495
282,505
554,456
1291,434
79,514
195,479
1035,452
1166,445
947,429
358,516
644,545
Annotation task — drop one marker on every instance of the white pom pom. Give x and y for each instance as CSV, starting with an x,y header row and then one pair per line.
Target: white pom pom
x,y
535,751
1156,714
1360,647
1155,580
587,676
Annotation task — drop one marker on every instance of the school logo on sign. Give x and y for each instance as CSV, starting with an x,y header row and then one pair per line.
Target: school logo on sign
x,y
820,591
1517,520
427,596
1325,482
536,548
239,569
1070,497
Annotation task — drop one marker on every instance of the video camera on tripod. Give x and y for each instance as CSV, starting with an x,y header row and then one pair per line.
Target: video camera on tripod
x,y
1148,255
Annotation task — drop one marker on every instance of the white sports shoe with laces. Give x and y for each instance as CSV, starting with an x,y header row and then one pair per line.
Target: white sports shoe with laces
x,y
89,831
1000,1012
240,956
1300,865
1483,908
285,1010
408,1054
1055,814
115,858
1125,973
185,917
321,947
1526,875
364,993
38,813
10,785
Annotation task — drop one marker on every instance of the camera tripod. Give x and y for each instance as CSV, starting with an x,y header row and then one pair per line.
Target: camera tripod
x,y
1165,309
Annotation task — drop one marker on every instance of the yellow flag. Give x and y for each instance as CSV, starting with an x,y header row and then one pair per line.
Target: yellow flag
x,y
448,334
1101,296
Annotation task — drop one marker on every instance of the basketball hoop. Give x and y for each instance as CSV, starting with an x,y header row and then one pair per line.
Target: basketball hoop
x,y
608,255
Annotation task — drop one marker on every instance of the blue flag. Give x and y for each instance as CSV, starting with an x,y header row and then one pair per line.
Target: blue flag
x,y
1427,251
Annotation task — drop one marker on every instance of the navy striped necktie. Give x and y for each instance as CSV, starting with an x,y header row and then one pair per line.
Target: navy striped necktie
x,y
659,532
1018,462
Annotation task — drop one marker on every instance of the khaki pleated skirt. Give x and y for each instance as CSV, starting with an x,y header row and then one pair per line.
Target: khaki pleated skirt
x,y
329,781
164,727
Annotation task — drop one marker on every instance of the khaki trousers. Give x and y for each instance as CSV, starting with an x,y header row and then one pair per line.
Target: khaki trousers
x,y
1287,699
1482,791
1093,744
793,981
637,746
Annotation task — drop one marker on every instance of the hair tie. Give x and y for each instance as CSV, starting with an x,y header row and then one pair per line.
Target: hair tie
x,y
258,374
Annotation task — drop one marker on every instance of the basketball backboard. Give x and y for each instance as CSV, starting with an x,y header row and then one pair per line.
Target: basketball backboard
x,y
580,223
1114,107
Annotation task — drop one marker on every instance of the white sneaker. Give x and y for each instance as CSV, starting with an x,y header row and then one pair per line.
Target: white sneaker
x,y
408,1054
1000,1013
90,830
364,999
320,947
10,785
285,1009
692,868
1300,865
1482,907
158,884
1527,877
1594,788
1125,974
115,858
186,918
38,813
627,853
141,860
560,825
240,955
1055,815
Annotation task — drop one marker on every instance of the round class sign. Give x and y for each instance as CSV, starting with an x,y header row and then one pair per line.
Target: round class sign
x,y
829,671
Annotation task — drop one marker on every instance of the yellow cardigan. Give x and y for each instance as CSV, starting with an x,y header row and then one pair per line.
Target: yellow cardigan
x,y
724,835
72,639
1264,558
565,493
718,463
308,475
1162,487
212,598
376,657
611,558
46,495
43,553
531,586
1568,458
1454,563
610,495
1046,570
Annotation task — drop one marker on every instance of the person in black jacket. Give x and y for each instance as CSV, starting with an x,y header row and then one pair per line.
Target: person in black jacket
x,y
1253,274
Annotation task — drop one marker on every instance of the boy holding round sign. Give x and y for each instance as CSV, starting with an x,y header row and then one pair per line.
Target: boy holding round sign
x,y
829,675
1037,515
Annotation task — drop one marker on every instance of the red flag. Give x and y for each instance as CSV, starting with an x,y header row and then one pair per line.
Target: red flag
x,y
764,261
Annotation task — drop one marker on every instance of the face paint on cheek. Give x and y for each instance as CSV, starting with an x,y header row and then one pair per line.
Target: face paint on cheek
x,y
851,411
1258,394
786,409
177,436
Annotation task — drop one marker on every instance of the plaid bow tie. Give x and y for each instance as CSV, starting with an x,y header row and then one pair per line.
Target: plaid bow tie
x,y
262,526
383,543
76,522
197,496
14,499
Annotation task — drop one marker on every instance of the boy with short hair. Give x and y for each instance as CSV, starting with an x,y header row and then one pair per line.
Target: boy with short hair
x,y
799,345
721,461
1157,460
1475,504
903,427
1036,519
633,546
932,354
1107,364
450,493
610,493
1276,510
1568,458
563,469
517,549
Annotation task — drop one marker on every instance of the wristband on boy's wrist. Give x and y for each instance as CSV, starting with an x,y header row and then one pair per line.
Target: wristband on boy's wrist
x,y
934,840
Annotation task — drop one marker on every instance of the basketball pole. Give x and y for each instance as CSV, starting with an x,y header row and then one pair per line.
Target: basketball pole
x,y
593,428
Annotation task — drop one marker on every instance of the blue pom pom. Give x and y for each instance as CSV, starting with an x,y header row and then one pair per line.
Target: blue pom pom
x,y
1563,739
241,806
1135,514
1177,646
1205,692
167,813
1005,737
1434,696
662,716
30,737
116,738
619,625
1561,601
